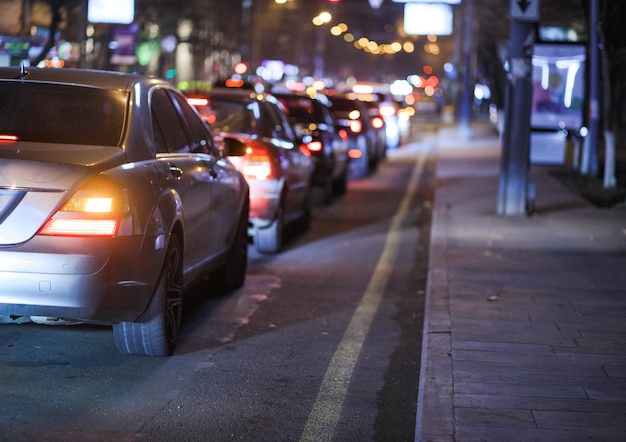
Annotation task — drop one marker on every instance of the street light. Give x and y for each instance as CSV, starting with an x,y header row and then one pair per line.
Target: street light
x,y
320,20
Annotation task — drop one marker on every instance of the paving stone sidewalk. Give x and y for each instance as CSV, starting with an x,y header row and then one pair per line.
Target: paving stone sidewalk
x,y
525,322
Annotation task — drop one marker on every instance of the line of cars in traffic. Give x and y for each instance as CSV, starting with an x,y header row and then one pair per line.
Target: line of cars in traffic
x,y
118,192
301,148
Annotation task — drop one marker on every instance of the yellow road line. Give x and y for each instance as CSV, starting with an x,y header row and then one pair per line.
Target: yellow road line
x,y
320,425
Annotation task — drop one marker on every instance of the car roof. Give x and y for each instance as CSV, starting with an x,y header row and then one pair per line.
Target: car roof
x,y
313,97
242,95
82,77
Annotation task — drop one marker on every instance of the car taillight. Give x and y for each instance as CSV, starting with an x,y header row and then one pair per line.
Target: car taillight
x,y
305,151
94,210
314,146
377,122
197,101
8,137
255,164
356,126
355,154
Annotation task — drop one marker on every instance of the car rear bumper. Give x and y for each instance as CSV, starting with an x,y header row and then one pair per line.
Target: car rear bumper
x,y
264,201
99,280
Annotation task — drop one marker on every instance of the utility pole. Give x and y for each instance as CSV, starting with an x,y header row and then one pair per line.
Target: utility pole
x,y
467,94
589,164
516,196
246,26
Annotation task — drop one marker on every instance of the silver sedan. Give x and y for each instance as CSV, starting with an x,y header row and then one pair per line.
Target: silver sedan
x,y
114,199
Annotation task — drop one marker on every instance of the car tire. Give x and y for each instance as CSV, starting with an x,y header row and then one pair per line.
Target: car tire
x,y
155,333
304,222
359,168
341,184
270,239
233,274
327,191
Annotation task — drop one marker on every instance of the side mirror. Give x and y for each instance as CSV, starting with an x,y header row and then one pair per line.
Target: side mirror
x,y
234,147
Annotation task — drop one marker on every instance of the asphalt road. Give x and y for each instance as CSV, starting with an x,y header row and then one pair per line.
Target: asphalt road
x,y
322,342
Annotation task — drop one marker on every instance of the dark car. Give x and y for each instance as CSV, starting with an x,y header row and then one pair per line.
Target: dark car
x,y
352,116
315,124
278,169
114,199
377,121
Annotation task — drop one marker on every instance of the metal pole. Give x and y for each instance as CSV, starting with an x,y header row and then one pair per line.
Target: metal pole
x,y
246,25
465,109
594,103
320,49
514,190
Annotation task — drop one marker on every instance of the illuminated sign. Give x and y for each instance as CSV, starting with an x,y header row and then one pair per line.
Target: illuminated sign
x,y
427,19
111,11
447,2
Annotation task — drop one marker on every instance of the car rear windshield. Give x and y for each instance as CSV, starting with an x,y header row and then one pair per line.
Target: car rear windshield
x,y
229,116
58,113
301,110
344,104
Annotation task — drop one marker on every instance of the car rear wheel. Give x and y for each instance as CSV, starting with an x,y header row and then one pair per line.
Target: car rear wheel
x,y
326,191
341,184
156,332
304,222
270,239
359,167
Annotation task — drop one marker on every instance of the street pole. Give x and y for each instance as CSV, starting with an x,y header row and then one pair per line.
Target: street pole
x,y
466,98
246,25
589,164
320,49
515,195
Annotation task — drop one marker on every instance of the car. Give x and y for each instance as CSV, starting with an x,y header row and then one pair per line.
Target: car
x,y
277,167
114,200
315,125
352,116
378,123
389,110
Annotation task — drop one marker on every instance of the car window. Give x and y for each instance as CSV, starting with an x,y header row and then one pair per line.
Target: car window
x,y
57,113
281,127
201,140
229,116
169,134
300,109
327,118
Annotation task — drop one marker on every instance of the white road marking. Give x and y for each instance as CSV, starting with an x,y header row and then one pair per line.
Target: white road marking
x,y
322,420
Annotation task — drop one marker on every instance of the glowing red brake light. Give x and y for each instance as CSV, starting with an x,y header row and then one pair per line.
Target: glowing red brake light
x,y
197,101
80,227
314,146
355,154
256,164
377,122
94,210
7,137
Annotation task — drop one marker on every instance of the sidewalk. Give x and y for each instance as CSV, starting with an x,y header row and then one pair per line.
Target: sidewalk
x,y
525,321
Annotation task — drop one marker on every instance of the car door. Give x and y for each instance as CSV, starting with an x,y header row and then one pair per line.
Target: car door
x,y
339,145
189,175
299,165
